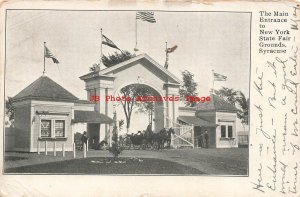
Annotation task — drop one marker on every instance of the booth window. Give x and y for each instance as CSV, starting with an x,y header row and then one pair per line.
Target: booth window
x,y
223,131
226,131
45,128
59,128
229,131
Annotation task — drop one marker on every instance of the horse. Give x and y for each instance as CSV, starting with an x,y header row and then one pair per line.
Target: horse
x,y
156,140
163,137
148,137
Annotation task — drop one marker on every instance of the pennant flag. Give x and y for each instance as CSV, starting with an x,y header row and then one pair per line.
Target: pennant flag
x,y
169,50
172,49
146,16
108,42
219,77
48,54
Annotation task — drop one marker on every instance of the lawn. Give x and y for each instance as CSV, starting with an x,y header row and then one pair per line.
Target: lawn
x,y
14,158
106,165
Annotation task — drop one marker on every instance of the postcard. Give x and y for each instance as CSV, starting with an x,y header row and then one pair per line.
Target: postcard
x,y
150,98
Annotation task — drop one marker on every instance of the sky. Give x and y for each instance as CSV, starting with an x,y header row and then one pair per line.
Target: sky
x,y
205,40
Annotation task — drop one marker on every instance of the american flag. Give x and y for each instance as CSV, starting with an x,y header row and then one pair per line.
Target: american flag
x,y
48,54
219,77
146,16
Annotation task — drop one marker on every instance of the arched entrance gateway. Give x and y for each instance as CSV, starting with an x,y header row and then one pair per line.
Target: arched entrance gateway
x,y
142,70
144,94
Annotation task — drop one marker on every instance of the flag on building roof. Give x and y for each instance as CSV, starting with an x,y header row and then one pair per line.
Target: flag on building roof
x,y
169,50
172,49
108,42
219,77
48,54
146,16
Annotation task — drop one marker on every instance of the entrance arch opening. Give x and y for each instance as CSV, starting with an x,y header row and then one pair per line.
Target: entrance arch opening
x,y
140,105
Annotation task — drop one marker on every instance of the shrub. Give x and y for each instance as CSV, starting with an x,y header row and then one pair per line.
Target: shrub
x,y
115,149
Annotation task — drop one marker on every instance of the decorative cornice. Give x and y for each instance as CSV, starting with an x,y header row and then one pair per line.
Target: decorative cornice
x,y
52,113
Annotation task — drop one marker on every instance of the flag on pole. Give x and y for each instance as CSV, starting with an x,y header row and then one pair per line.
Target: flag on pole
x,y
169,50
146,16
108,42
219,77
172,49
48,54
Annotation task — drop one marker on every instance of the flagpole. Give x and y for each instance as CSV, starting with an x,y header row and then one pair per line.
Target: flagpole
x,y
44,58
213,86
101,48
135,48
166,63
166,47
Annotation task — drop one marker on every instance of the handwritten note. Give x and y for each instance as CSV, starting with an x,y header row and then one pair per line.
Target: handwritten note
x,y
275,86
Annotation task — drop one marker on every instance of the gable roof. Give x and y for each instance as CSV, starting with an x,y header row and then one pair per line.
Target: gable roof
x,y
216,104
45,88
196,121
109,70
91,117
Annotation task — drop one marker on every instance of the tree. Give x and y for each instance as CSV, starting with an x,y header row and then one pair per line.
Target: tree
x,y
228,94
243,104
9,110
238,99
116,58
115,149
121,123
189,87
133,91
147,107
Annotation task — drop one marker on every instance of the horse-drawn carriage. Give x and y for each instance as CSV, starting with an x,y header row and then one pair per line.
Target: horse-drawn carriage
x,y
147,139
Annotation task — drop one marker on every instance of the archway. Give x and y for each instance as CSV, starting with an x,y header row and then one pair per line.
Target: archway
x,y
146,100
141,69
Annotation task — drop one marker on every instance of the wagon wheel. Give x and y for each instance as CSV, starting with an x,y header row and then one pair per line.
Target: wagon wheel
x,y
144,144
127,143
136,147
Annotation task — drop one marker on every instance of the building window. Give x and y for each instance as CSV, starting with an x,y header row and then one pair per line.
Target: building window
x,y
59,128
223,131
229,131
226,131
46,128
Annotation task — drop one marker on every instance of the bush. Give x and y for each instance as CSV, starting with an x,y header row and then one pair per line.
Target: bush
x,y
115,149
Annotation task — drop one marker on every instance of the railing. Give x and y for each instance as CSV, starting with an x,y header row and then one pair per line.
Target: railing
x,y
183,136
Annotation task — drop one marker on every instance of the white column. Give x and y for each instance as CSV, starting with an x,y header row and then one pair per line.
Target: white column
x,y
110,135
38,147
46,148
84,150
63,150
54,148
74,150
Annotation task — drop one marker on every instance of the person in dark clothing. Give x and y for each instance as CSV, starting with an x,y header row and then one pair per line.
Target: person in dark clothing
x,y
206,137
200,138
84,139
